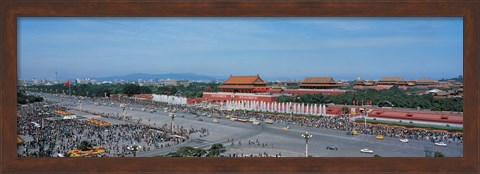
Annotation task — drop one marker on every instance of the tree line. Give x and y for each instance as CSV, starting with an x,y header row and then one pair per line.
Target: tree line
x,y
92,90
22,98
395,96
214,151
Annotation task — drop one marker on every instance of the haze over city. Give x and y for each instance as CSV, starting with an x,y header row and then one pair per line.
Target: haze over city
x,y
275,48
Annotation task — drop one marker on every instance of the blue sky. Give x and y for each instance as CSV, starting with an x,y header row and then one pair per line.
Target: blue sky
x,y
275,48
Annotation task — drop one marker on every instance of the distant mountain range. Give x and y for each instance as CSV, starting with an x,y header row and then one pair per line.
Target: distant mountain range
x,y
144,76
458,79
194,76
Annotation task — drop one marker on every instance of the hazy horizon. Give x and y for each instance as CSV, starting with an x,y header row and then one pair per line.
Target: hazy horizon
x,y
286,48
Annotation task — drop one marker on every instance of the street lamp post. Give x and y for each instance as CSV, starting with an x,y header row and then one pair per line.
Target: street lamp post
x,y
124,112
172,115
291,111
134,148
307,136
365,115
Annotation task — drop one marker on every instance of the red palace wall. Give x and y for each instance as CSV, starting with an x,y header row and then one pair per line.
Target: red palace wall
x,y
222,97
254,98
217,97
429,116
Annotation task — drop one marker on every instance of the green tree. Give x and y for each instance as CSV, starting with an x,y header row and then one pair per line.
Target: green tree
x,y
173,154
85,145
191,152
345,110
187,152
438,154
216,150
131,89
24,99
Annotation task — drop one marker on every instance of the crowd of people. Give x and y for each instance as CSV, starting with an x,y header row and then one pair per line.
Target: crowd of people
x,y
340,122
251,144
47,137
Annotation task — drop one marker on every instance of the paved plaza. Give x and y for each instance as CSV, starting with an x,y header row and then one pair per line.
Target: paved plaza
x,y
246,139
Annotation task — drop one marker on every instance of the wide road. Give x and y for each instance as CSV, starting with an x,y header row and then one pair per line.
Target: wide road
x,y
273,137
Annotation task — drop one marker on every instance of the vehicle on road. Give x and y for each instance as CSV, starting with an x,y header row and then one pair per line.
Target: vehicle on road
x,y
228,116
332,148
256,122
242,120
365,150
286,128
216,120
441,144
352,132
379,137
200,119
143,109
269,121
233,119
404,140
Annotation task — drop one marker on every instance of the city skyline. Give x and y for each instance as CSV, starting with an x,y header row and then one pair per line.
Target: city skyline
x,y
287,48
197,78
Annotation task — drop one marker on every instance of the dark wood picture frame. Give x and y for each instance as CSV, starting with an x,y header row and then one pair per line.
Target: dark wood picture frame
x,y
10,10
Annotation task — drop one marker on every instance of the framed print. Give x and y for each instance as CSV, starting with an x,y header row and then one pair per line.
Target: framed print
x,y
200,86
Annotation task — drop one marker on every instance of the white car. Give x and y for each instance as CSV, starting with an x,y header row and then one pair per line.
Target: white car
x,y
269,121
256,122
441,144
216,120
404,140
365,150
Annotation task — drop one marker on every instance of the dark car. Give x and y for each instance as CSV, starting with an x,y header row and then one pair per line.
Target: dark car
x,y
200,119
332,148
